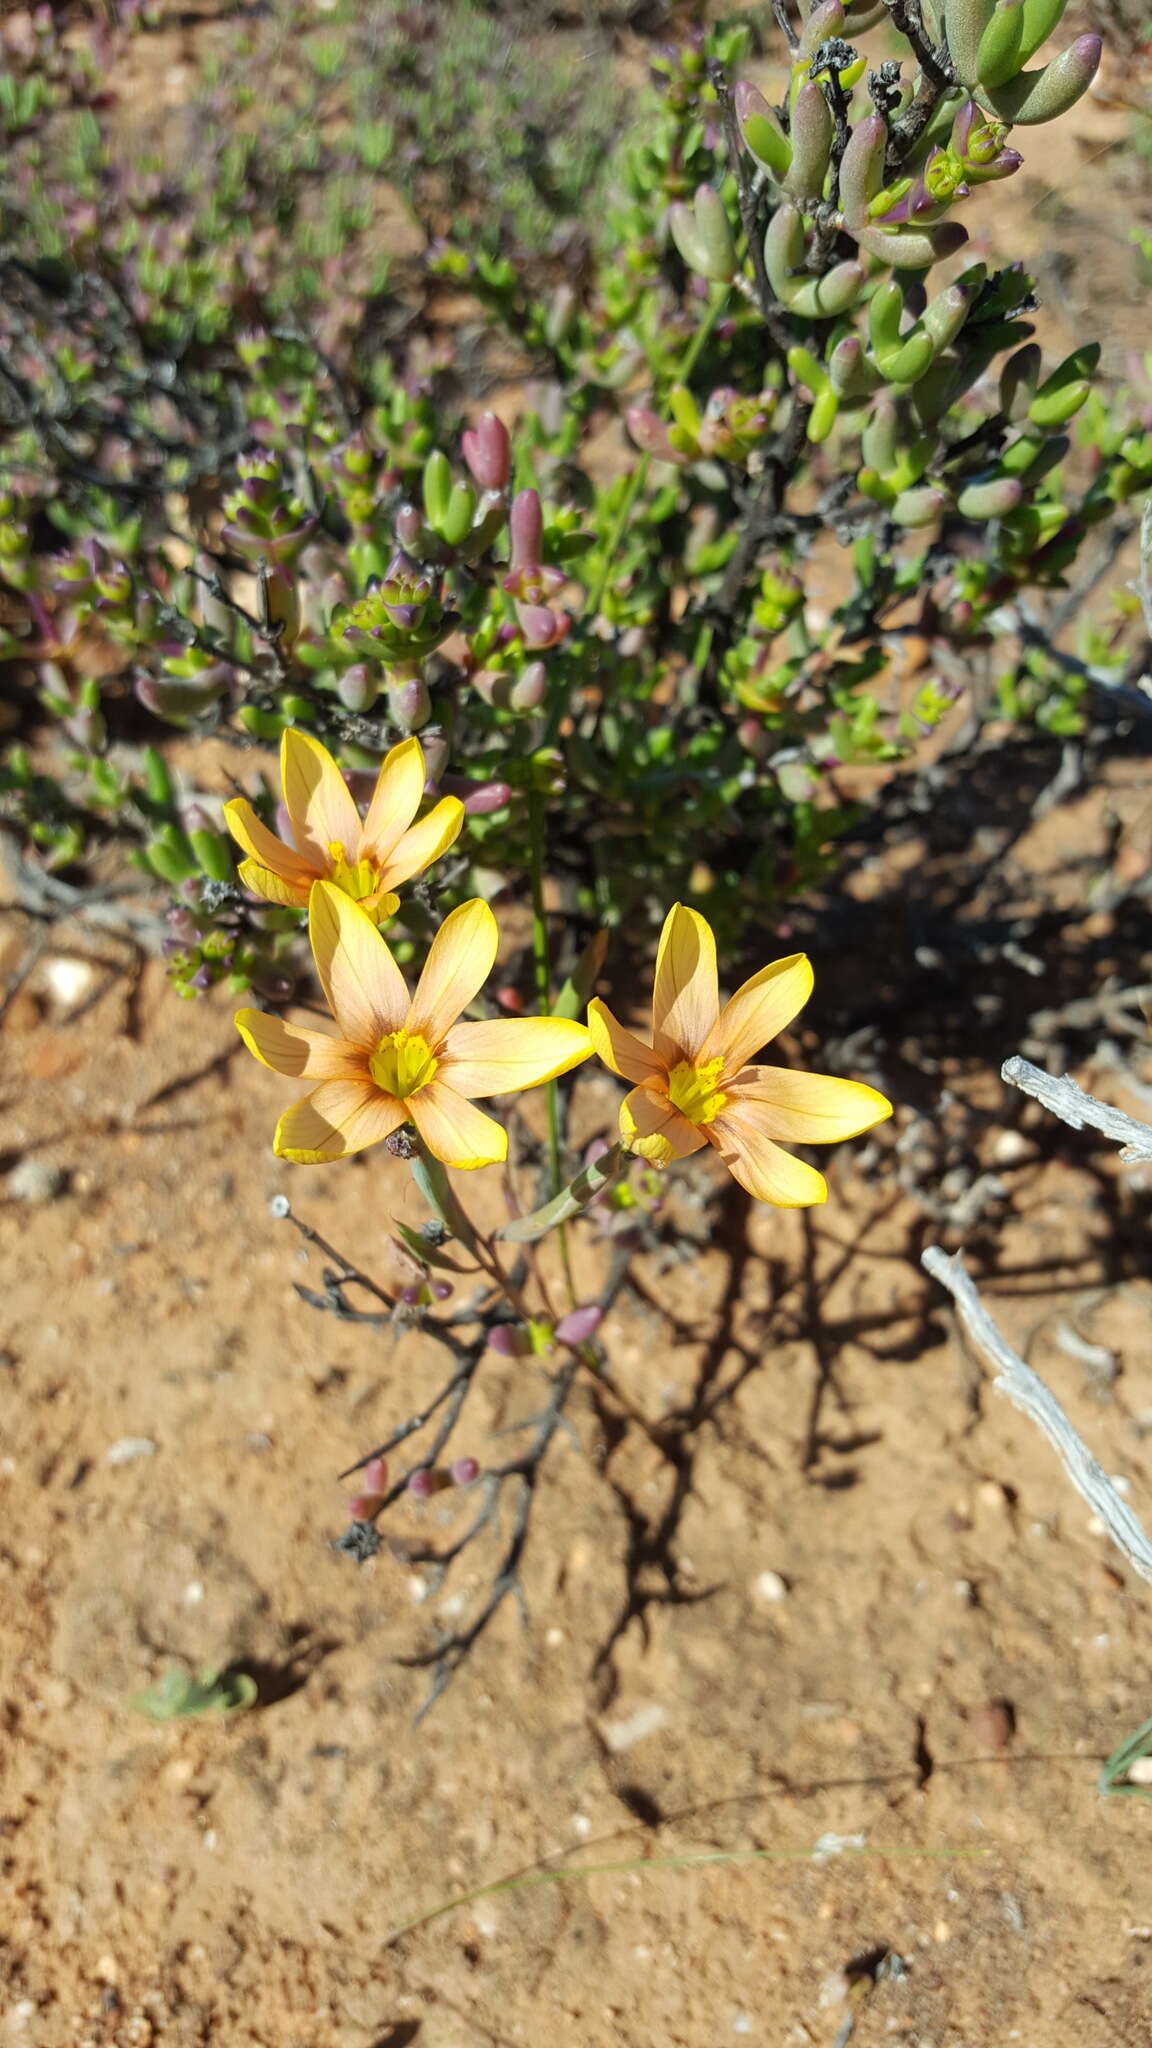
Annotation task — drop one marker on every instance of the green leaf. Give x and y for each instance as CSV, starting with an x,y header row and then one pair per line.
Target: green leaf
x,y
180,1696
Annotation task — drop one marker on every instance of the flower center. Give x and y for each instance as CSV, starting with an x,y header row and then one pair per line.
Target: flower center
x,y
402,1064
356,878
693,1091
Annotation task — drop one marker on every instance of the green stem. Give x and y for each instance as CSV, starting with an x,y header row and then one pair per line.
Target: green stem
x,y
540,954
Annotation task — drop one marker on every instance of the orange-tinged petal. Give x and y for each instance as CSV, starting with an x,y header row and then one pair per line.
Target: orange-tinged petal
x,y
809,1109
395,801
264,847
742,1136
455,1130
318,798
758,1011
459,962
511,1053
338,1118
425,842
650,1126
274,888
686,999
366,992
290,1049
619,1049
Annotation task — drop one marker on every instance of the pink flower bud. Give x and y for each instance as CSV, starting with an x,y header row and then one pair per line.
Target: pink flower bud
x,y
508,1342
422,1483
530,689
540,625
441,1289
580,1324
527,527
511,1000
464,1471
487,797
488,452
650,434
358,688
409,703
435,748
409,527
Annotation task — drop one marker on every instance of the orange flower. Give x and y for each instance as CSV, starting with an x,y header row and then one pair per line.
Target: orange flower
x,y
404,1057
693,1087
366,859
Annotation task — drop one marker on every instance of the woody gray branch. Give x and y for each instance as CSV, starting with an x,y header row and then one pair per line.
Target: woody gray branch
x,y
1061,1095
1028,1392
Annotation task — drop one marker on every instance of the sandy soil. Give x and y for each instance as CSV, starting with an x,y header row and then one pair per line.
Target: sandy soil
x,y
834,1589
824,1602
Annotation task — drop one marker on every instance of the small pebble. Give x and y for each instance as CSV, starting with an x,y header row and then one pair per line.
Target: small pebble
x,y
35,1181
126,1448
771,1587
993,1724
70,981
1140,1772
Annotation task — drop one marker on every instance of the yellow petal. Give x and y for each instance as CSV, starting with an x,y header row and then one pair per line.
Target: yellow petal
x,y
809,1109
758,1011
366,992
619,1050
395,801
424,843
759,1165
650,1126
380,906
456,1131
274,888
318,798
339,1117
459,962
289,1049
686,999
512,1053
263,845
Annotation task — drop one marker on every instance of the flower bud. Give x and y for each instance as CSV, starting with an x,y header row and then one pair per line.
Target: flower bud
x,y
435,748
487,451
507,1341
464,1471
527,529
530,689
408,701
358,688
409,527
580,1324
650,434
540,626
485,798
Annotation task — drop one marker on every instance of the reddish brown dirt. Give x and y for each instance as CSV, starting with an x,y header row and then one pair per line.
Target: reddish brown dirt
x,y
731,1650
911,1641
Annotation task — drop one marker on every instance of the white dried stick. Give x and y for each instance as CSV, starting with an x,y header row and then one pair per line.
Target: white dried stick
x,y
1061,1095
1027,1390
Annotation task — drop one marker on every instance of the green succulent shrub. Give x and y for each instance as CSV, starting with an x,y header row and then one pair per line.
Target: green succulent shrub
x,y
239,489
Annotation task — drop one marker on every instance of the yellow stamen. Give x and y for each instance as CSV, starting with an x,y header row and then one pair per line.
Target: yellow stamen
x,y
402,1064
693,1091
358,879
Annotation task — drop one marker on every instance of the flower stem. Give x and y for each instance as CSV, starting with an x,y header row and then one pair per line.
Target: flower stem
x,y
540,953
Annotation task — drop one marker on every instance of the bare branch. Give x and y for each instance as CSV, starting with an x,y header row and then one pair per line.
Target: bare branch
x,y
1028,1392
1063,1098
